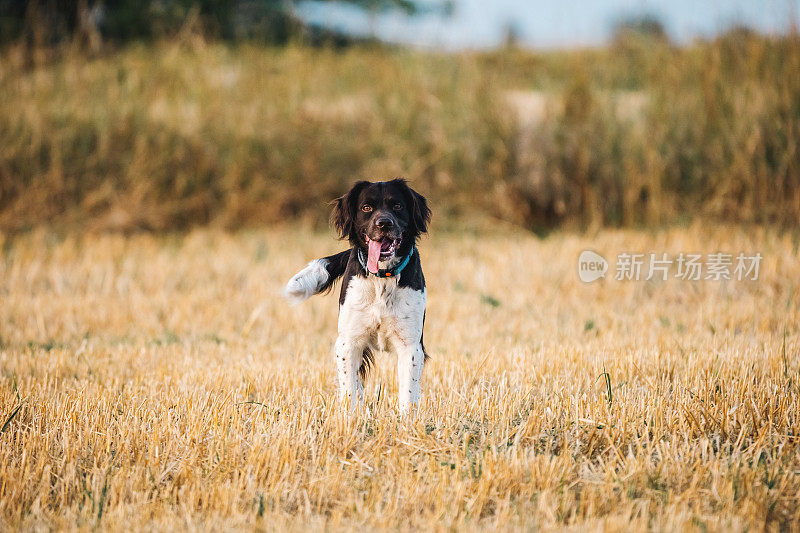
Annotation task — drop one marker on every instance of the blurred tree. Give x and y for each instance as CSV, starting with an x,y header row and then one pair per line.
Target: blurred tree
x,y
43,22
511,34
645,27
638,41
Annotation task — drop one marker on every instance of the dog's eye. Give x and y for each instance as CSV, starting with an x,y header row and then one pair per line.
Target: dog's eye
x,y
366,208
397,207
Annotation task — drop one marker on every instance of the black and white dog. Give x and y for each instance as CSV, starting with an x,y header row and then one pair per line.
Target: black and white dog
x,y
382,302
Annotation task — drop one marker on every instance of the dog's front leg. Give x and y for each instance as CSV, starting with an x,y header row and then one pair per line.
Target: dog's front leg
x,y
409,370
348,360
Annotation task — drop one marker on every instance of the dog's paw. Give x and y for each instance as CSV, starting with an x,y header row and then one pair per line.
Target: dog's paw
x,y
295,292
306,283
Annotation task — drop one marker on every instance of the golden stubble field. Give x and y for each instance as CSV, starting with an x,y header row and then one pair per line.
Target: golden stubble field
x,y
161,383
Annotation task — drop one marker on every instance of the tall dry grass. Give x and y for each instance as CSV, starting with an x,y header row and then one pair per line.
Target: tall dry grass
x,y
186,133
161,383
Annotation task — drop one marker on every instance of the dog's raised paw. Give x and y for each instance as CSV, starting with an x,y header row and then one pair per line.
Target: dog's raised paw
x,y
306,283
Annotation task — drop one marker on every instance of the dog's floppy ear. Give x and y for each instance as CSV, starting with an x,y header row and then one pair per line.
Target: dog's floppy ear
x,y
420,212
417,206
344,210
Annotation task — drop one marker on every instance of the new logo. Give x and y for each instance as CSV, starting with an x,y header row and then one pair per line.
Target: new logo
x,y
591,266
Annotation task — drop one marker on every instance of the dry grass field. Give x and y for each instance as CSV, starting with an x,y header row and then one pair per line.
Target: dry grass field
x,y
182,134
161,383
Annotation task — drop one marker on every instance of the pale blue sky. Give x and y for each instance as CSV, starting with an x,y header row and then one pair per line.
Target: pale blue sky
x,y
542,24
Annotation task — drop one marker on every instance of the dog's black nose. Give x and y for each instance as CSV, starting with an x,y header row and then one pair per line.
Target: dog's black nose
x,y
384,223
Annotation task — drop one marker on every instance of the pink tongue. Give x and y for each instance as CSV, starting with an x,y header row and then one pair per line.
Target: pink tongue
x,y
374,255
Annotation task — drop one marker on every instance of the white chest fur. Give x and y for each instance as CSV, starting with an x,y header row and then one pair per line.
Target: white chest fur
x,y
380,313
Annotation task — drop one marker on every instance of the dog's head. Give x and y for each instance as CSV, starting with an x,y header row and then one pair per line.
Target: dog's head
x,y
389,215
